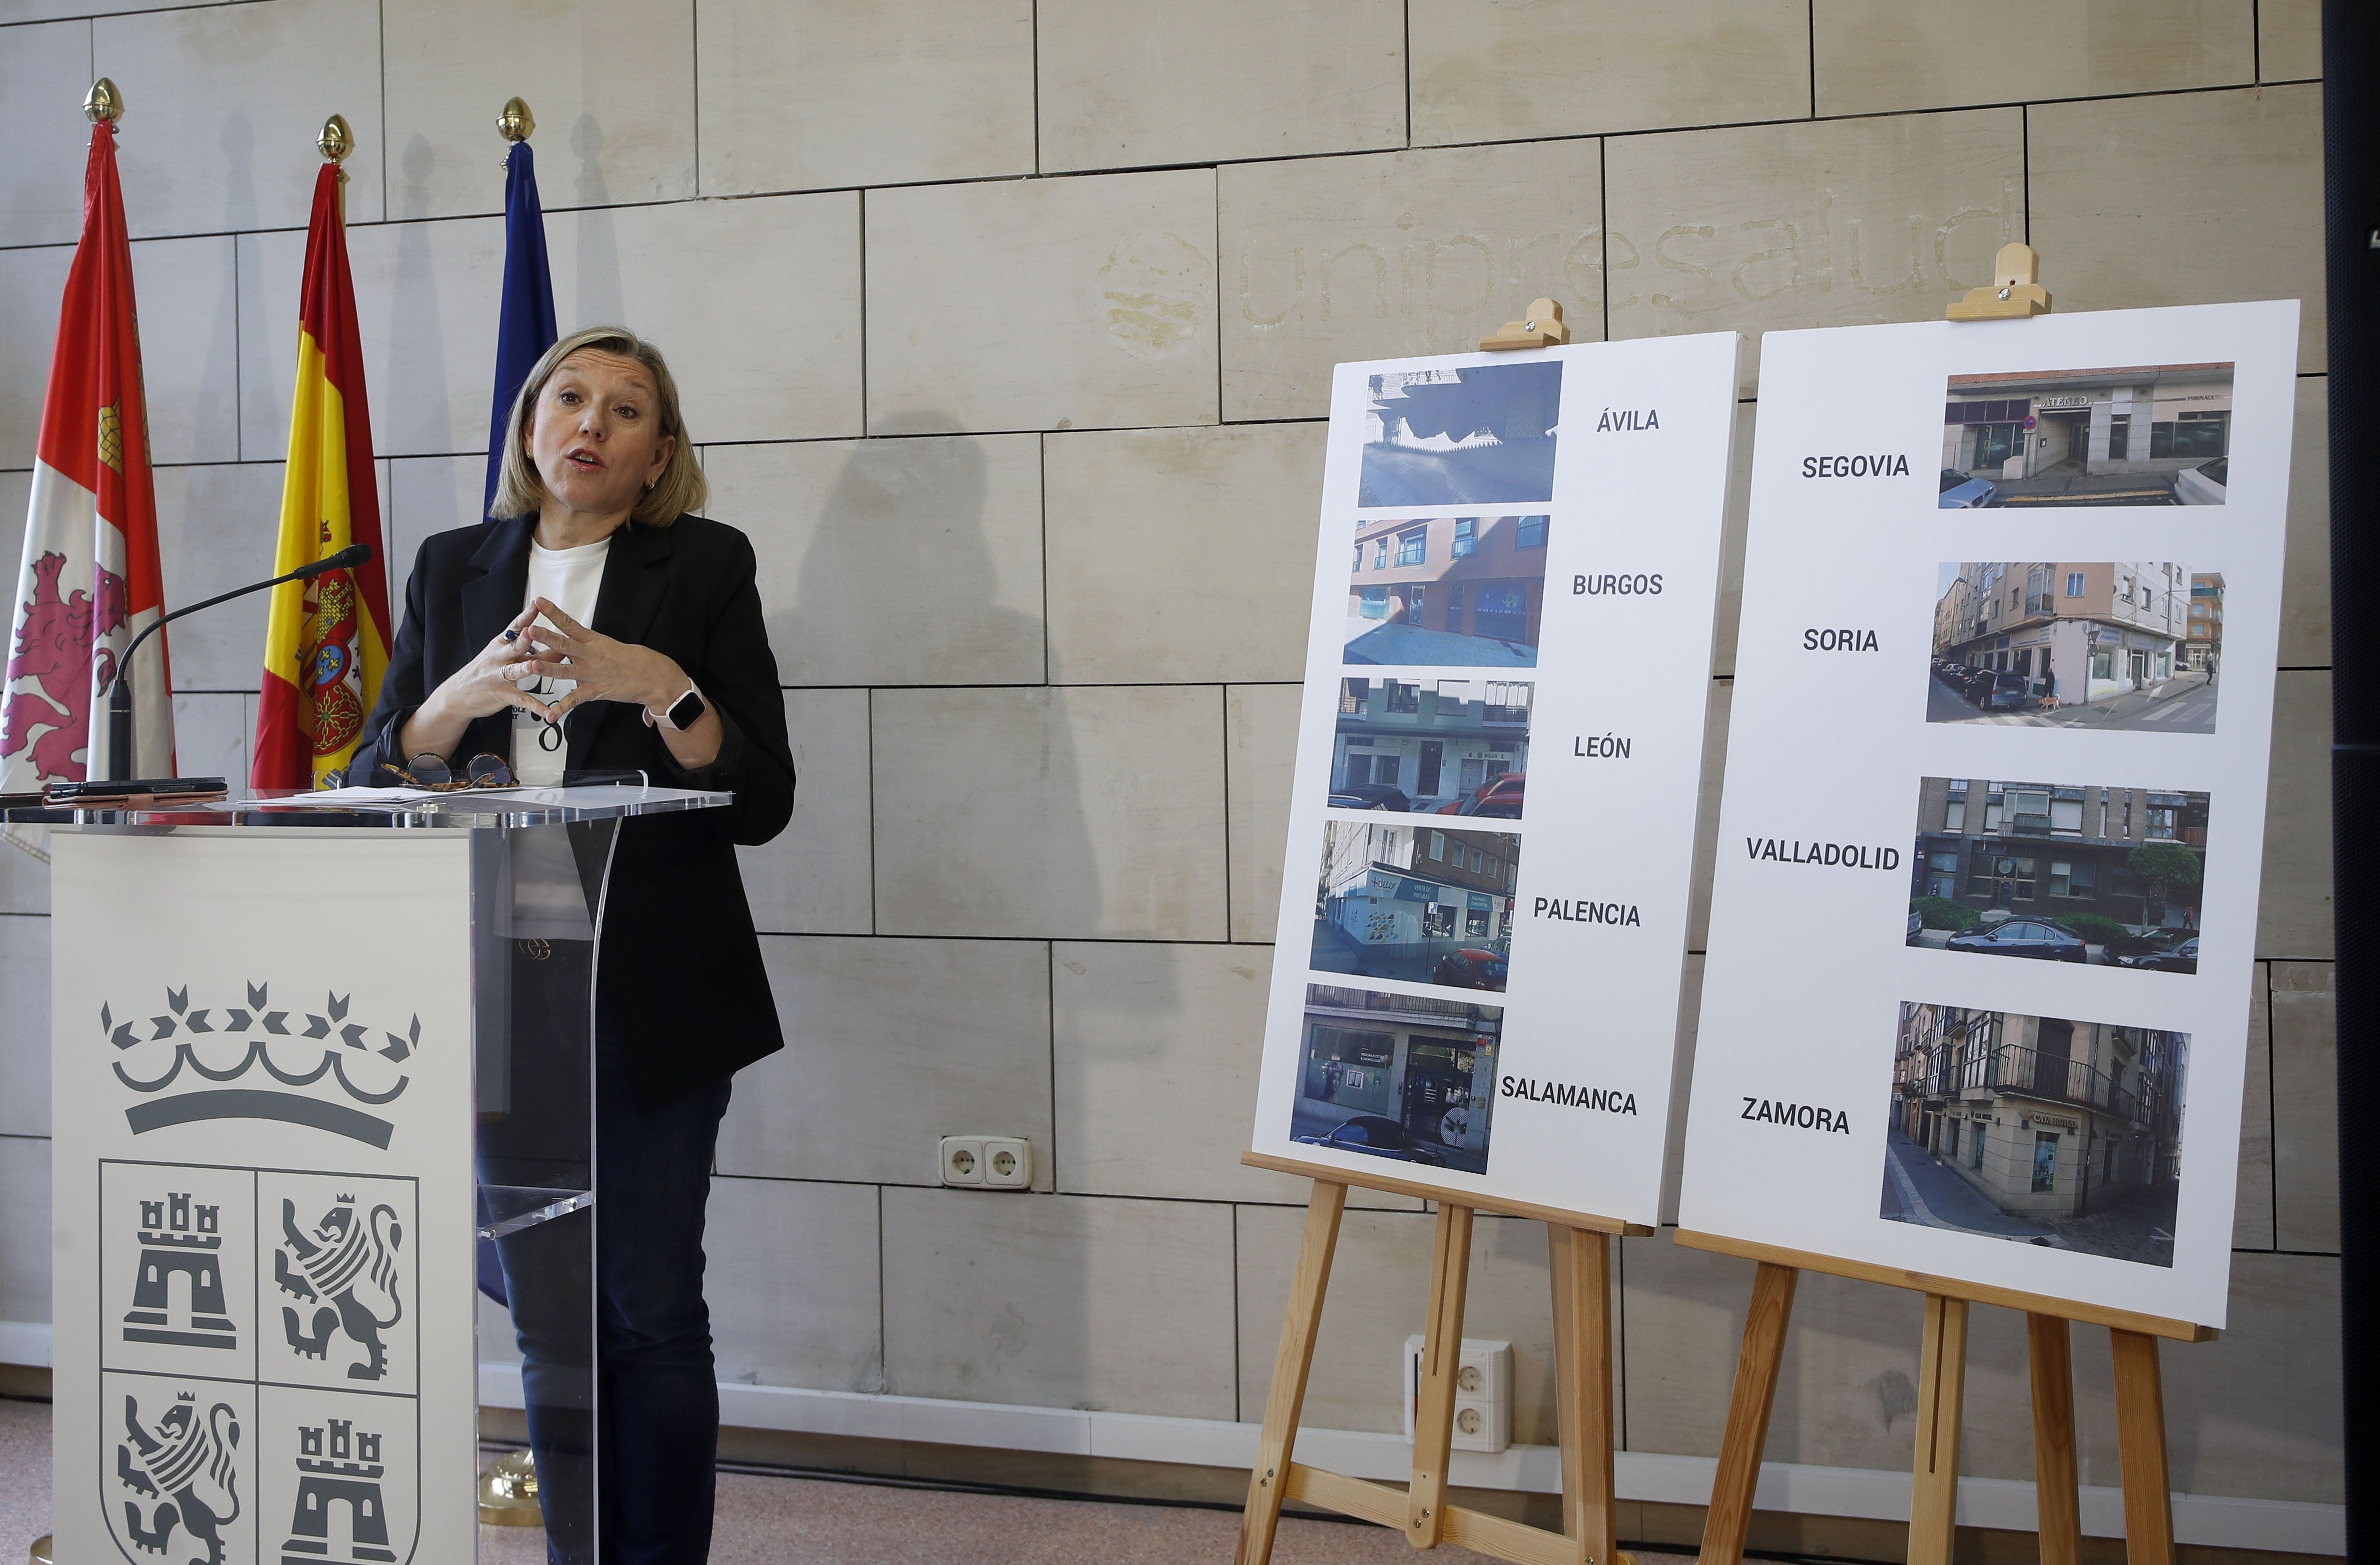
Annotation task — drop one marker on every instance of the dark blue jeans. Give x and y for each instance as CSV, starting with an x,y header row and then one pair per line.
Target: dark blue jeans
x,y
658,1434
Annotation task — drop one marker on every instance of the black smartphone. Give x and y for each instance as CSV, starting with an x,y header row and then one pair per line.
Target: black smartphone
x,y
155,787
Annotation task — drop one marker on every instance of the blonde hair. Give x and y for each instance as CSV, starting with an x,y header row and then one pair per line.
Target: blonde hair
x,y
520,492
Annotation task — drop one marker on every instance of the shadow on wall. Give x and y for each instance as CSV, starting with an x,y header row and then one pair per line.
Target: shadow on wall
x,y
417,341
899,585
218,389
1003,809
599,297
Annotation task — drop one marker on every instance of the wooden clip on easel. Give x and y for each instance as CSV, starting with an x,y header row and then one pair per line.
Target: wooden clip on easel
x,y
1579,1256
1543,327
2016,293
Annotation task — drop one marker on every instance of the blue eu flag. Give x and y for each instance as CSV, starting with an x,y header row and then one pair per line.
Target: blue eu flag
x,y
527,328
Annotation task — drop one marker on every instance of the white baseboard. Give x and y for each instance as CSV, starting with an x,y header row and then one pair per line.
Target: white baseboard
x,y
2218,1521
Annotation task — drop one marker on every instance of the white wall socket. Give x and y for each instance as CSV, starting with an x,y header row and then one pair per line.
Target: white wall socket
x,y
1007,1162
1000,1162
1483,1393
961,1159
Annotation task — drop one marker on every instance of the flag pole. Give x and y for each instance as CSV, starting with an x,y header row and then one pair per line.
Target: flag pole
x,y
526,326
516,123
507,1487
336,141
104,105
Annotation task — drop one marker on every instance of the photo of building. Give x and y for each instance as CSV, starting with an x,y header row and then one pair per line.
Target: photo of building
x,y
2070,872
2205,648
1400,1076
1454,746
2037,1129
1480,436
1467,592
2156,434
2070,644
1417,904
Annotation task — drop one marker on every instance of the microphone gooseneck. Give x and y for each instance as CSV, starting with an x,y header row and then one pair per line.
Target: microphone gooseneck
x,y
119,693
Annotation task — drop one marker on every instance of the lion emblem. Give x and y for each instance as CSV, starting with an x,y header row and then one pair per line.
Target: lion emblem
x,y
182,1476
56,663
347,1267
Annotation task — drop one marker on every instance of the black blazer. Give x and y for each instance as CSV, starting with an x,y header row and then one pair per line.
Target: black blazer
x,y
680,985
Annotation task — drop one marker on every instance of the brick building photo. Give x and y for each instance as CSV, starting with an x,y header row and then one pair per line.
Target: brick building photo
x,y
2037,1129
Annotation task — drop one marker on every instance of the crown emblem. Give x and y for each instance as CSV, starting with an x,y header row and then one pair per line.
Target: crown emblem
x,y
223,1044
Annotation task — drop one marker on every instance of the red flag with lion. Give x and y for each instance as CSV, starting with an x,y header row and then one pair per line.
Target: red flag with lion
x,y
91,580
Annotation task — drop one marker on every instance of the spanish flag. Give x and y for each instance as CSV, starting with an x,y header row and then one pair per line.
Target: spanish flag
x,y
325,640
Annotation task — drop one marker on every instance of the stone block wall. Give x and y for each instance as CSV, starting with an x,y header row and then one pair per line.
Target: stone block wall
x,y
1005,328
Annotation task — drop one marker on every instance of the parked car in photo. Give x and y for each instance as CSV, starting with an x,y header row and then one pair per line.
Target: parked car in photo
x,y
1916,927
1379,1137
2039,937
2158,952
2001,692
1471,967
2206,484
2148,944
1498,800
1961,492
1975,683
1371,795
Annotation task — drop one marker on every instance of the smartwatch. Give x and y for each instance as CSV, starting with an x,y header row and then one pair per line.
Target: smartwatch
x,y
683,714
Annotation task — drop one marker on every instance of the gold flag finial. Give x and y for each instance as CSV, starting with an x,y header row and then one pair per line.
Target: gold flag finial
x,y
516,123
336,139
105,105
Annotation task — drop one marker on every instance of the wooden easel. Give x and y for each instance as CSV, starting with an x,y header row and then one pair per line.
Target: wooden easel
x,y
2015,293
1580,1262
1579,1258
1941,1387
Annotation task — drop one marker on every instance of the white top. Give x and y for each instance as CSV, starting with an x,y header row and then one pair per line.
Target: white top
x,y
571,577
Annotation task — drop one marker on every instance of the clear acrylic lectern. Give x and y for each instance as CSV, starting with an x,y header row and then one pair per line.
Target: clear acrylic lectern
x,y
305,1058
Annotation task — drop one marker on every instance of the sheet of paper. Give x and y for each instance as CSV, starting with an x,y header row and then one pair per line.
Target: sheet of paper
x,y
1484,913
1983,926
337,797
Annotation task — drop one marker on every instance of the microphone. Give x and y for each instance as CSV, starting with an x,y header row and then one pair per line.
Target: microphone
x,y
119,695
347,559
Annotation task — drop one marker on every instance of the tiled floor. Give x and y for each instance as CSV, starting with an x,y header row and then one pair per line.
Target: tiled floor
x,y
766,1521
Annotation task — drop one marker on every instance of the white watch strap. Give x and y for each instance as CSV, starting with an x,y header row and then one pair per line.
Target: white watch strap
x,y
661,718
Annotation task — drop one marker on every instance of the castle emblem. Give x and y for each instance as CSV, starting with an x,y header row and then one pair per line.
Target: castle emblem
x,y
172,1247
180,1479
338,1464
346,1267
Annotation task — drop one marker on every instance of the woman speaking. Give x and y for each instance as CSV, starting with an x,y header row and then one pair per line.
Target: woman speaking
x,y
597,627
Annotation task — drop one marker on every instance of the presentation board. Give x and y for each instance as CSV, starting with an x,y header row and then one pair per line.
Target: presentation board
x,y
1985,913
1483,915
